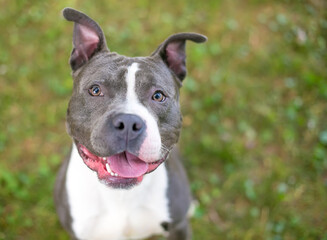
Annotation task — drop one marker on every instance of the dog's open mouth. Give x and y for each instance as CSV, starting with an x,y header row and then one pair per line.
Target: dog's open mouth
x,y
118,170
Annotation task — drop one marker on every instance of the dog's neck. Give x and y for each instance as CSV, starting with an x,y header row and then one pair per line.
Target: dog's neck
x,y
101,198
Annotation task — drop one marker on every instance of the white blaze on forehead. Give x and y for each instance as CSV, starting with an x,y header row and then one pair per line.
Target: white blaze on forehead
x,y
150,149
130,80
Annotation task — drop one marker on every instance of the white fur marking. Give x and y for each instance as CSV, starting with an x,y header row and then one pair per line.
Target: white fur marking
x,y
102,213
131,96
151,148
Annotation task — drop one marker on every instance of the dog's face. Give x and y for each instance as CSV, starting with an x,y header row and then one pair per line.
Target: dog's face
x,y
124,112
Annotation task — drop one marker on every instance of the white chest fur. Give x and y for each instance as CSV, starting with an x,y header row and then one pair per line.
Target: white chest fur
x,y
101,213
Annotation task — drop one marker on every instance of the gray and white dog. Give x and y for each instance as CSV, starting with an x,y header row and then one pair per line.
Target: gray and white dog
x,y
123,179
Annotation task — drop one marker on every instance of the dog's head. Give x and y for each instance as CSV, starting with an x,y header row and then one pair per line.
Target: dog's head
x,y
124,114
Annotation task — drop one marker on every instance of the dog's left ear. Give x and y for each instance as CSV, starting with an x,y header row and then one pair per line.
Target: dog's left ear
x,y
172,51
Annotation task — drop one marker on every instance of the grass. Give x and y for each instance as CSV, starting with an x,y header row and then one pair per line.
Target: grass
x,y
254,105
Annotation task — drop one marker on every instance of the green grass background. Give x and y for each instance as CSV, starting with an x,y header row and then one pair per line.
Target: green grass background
x,y
254,106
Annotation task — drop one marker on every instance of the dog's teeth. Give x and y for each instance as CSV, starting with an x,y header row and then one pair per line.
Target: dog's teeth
x,y
110,171
108,168
104,158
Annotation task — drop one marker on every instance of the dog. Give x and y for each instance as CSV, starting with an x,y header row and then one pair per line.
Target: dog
x,y
124,179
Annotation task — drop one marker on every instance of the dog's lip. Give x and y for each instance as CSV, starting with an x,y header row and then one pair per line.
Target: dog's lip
x,y
110,168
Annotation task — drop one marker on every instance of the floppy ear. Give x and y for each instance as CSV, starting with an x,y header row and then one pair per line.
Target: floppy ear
x,y
88,38
172,51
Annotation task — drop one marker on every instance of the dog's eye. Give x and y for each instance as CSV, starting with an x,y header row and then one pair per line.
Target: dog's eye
x,y
158,96
95,90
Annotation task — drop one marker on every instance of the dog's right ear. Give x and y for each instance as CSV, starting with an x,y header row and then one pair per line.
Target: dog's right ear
x,y
88,38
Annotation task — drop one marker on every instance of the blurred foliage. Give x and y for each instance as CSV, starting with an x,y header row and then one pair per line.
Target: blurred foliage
x,y
254,105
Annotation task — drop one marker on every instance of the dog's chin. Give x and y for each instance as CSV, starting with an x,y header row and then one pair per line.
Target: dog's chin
x,y
121,183
123,170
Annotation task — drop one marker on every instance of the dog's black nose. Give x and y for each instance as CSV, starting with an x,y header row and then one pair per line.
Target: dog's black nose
x,y
128,126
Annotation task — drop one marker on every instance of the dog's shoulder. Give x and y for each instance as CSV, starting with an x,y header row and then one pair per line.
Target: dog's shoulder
x,y
179,192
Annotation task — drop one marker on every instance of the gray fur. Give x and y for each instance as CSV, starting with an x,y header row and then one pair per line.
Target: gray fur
x,y
61,199
179,198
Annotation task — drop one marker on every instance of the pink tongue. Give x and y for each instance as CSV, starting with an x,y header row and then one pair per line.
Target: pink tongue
x,y
127,165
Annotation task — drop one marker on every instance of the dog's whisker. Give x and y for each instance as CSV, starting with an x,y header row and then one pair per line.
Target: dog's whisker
x,y
166,150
